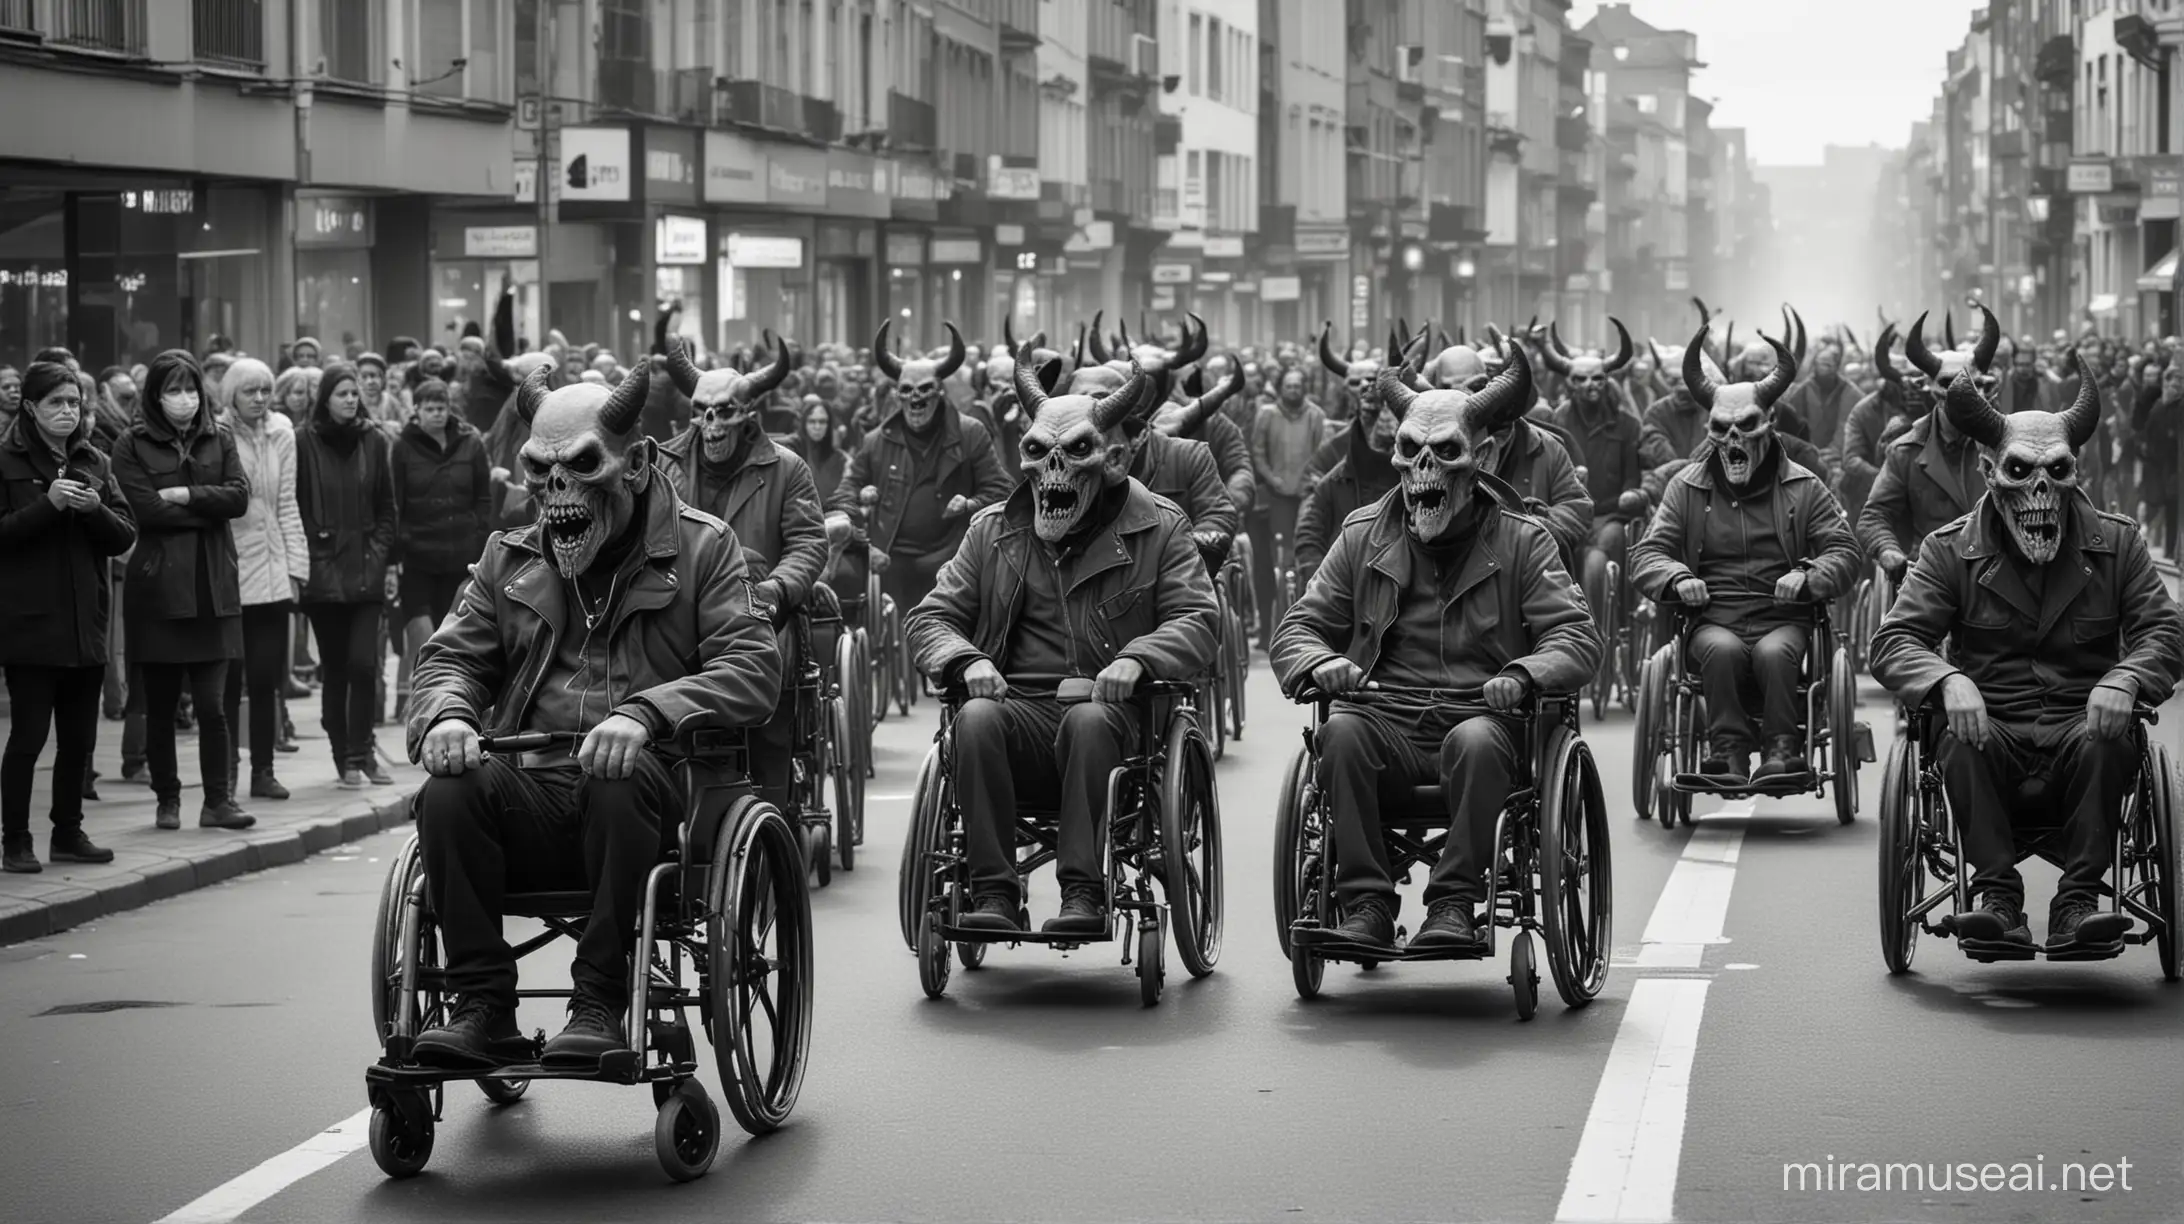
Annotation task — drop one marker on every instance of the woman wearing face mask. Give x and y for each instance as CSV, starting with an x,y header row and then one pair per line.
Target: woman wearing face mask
x,y
814,443
184,622
345,488
61,518
443,498
273,558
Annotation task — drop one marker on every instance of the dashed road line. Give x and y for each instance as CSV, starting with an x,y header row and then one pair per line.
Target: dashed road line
x,y
239,1194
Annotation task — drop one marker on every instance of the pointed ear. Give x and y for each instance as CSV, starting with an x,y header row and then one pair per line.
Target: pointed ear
x,y
643,457
1485,452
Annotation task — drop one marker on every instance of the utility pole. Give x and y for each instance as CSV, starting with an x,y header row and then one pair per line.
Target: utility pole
x,y
549,166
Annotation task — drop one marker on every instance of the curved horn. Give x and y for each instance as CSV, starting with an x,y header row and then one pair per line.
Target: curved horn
x,y
1194,345
1553,355
1008,330
2084,415
625,407
1728,347
1412,378
1802,339
531,394
1029,392
680,370
1694,371
888,363
1077,354
1395,392
1507,397
1501,343
1097,338
1705,316
1230,384
1771,388
1989,340
1335,365
1624,353
1111,409
755,385
1922,357
1460,332
1979,420
1881,360
1654,349
1050,374
1122,328
1948,328
954,360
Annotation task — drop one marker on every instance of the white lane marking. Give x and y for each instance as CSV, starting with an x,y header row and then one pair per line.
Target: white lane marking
x,y
1626,1162
1695,902
240,1194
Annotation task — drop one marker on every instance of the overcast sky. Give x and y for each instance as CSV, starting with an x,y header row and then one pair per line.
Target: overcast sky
x,y
1803,74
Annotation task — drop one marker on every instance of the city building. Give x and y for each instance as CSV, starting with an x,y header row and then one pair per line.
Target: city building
x,y
1212,48
1644,90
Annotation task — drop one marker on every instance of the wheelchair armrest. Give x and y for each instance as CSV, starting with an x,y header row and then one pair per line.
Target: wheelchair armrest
x,y
529,741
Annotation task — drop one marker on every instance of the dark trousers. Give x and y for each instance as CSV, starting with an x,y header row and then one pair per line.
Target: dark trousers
x,y
1366,760
910,576
1736,666
132,718
2086,776
207,684
1036,752
772,766
264,669
500,829
1610,542
1277,515
349,666
65,699
429,595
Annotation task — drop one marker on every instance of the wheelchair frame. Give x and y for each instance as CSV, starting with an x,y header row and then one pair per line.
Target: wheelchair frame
x,y
822,755
1151,804
1566,896
1919,843
721,895
1672,716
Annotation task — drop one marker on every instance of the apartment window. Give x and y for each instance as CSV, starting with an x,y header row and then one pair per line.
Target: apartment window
x,y
348,40
1214,57
1198,52
467,29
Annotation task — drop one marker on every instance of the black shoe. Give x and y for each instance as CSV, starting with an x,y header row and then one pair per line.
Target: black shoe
x,y
263,785
138,774
294,689
1728,760
287,743
1370,923
72,846
169,815
994,912
1447,926
20,858
1785,755
374,771
594,1029
224,815
90,793
1081,913
2078,922
1999,919
480,1034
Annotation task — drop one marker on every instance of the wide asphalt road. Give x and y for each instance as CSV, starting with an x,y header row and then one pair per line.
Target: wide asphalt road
x,y
205,1043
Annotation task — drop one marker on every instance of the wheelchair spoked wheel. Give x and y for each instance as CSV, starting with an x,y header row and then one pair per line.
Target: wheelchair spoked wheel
x,y
852,685
906,681
2160,856
1645,746
759,962
1190,842
1603,681
686,1131
1678,737
914,876
1210,698
845,785
1576,875
1299,872
403,890
1843,735
1902,865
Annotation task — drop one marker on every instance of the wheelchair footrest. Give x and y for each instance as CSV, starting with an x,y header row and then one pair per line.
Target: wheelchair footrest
x,y
1988,951
1063,940
624,1070
2087,952
1330,944
1731,788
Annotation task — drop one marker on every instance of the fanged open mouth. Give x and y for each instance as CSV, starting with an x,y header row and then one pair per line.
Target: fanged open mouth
x,y
2043,526
1057,502
566,524
1428,500
1733,455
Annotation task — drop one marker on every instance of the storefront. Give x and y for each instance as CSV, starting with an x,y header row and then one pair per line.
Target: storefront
x,y
334,235
475,252
954,284
914,205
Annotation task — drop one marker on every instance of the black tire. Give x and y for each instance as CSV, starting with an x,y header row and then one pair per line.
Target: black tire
x,y
1681,726
1239,668
1576,877
818,842
686,1132
906,683
1524,975
1152,966
759,966
844,796
1843,735
503,1091
405,879
914,875
1645,748
1901,862
932,958
1190,840
1288,829
1210,700
401,1140
2164,860
972,956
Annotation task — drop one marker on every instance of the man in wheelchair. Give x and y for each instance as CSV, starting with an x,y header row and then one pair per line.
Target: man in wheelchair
x,y
1746,540
1080,572
623,615
725,465
2058,626
1443,583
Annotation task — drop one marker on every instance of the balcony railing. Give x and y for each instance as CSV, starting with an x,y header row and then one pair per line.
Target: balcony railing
x,y
911,124
229,31
115,26
785,110
18,17
627,85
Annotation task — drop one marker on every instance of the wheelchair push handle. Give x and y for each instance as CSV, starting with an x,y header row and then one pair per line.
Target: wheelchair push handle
x,y
527,741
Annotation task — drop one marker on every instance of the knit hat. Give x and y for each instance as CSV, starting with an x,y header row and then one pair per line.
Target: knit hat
x,y
371,359
431,390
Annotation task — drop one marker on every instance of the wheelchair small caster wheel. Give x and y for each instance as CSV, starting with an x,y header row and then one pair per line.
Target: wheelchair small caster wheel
x,y
401,1137
972,955
686,1134
503,1091
1524,975
1151,967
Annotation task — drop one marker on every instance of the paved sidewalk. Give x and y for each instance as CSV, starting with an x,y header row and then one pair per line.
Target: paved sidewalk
x,y
151,865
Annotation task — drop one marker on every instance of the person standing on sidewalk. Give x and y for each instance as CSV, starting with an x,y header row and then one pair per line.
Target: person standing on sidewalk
x,y
61,518
443,501
345,490
272,559
185,484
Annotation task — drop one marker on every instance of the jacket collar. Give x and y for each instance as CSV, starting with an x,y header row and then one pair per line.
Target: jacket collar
x,y
1701,473
1388,543
1985,543
1105,550
949,426
661,508
688,449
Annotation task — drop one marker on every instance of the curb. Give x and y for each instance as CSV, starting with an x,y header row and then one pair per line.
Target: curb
x,y
65,905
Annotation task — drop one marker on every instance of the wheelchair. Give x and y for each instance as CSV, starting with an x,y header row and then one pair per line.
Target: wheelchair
x,y
852,655
1876,593
1221,692
1918,849
1552,871
1614,613
1161,829
826,788
729,901
1672,722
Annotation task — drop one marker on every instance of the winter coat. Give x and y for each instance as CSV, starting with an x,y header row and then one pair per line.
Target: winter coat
x,y
1537,467
1608,452
1802,514
1918,491
54,563
182,590
770,503
1183,471
1352,483
1231,457
347,498
966,466
443,498
685,651
271,550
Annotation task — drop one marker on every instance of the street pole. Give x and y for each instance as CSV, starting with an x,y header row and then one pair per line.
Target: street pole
x,y
548,166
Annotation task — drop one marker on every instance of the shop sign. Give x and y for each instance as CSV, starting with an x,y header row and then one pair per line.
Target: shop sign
x,y
341,221
763,251
680,240
856,186
1330,243
500,242
1013,183
1245,286
1224,246
1280,288
915,181
2092,177
1172,274
796,177
955,251
671,165
905,250
1091,236
161,202
1008,235
1164,298
735,169
526,180
1215,278
595,165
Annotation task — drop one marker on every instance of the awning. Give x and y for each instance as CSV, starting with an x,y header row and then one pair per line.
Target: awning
x,y
2103,304
2161,278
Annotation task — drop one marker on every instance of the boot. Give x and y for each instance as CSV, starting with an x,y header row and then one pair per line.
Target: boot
x,y
20,857
224,814
480,1034
1785,755
1370,923
1448,925
1082,912
169,814
73,846
373,769
1727,759
594,1029
1999,919
994,912
263,785
2077,922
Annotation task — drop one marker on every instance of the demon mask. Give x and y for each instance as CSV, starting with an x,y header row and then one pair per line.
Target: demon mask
x,y
1445,438
1586,376
586,463
1942,369
1912,390
726,403
1361,376
918,381
1182,418
1740,417
2030,458
1074,447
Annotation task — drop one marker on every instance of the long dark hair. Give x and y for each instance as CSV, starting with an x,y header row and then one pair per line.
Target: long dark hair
x,y
171,366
